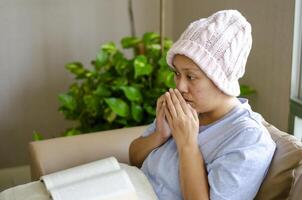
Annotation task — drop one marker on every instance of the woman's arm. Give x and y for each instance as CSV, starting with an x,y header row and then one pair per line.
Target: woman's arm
x,y
184,123
142,146
193,176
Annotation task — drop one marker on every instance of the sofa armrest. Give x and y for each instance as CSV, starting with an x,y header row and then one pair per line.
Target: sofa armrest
x,y
56,154
296,188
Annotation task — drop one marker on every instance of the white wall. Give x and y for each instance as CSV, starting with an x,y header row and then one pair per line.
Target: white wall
x,y
37,38
268,68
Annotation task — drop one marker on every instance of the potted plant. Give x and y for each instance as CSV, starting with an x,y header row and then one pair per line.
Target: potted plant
x,y
118,91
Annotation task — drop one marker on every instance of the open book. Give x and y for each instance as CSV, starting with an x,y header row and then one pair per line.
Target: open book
x,y
99,180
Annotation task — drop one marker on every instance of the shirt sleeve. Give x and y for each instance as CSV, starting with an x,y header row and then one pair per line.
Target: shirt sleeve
x,y
150,129
238,171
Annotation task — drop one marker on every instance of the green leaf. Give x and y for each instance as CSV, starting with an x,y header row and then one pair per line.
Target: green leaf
x,y
166,76
37,136
154,47
154,50
92,104
109,47
151,37
119,106
102,91
246,90
74,89
67,101
101,59
163,62
136,112
118,57
122,121
141,67
91,74
168,44
169,80
87,87
72,132
109,115
140,61
105,77
151,110
120,82
128,42
76,68
121,67
155,92
120,63
132,93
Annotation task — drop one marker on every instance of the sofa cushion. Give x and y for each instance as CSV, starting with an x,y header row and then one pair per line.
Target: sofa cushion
x,y
285,169
295,192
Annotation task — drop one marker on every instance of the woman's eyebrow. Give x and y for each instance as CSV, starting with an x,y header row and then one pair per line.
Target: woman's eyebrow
x,y
191,69
186,69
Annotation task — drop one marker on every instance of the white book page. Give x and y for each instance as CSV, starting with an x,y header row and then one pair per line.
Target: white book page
x,y
143,187
61,178
115,185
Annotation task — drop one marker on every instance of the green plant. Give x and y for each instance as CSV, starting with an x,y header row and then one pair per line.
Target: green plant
x,y
246,91
118,91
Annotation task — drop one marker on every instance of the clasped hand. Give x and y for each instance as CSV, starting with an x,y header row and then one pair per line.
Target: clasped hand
x,y
179,116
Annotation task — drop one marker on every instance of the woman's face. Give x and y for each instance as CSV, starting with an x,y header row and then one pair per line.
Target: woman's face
x,y
196,88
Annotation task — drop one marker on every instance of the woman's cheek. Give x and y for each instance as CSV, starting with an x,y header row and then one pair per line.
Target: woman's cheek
x,y
200,100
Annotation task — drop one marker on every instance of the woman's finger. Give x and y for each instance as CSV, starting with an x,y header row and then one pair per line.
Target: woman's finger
x,y
182,101
160,100
194,113
159,103
158,107
176,102
161,111
170,105
168,116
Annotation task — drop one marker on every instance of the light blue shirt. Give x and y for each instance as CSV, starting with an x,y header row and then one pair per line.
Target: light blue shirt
x,y
237,150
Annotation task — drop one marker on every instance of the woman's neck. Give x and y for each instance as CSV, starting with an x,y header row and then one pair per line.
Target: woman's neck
x,y
224,108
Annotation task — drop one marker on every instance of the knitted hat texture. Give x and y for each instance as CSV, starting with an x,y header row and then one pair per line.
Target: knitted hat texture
x,y
219,45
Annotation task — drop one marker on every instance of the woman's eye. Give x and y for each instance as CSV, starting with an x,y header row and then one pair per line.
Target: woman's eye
x,y
190,77
176,73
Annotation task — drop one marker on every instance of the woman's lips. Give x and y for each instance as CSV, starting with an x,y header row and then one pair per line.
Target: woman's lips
x,y
190,102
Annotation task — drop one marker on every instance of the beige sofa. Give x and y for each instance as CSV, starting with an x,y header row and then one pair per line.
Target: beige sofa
x,y
283,181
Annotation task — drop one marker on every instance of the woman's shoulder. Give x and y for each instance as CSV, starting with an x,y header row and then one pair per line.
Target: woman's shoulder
x,y
243,128
249,137
249,133
244,118
248,125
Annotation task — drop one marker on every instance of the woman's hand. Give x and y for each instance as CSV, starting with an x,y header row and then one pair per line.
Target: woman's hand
x,y
162,127
182,119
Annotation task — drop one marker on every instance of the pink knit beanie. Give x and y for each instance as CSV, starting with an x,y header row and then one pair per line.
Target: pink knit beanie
x,y
219,45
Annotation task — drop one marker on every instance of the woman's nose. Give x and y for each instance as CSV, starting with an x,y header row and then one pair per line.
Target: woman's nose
x,y
181,85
